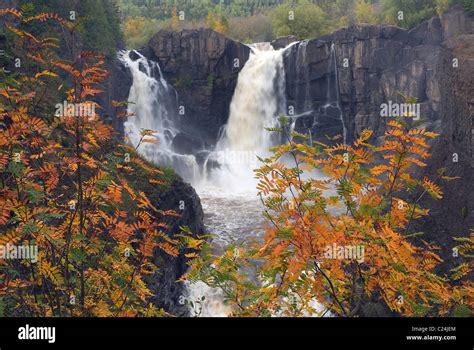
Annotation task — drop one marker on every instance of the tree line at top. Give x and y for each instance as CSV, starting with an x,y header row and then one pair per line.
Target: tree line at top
x,y
98,21
263,20
110,24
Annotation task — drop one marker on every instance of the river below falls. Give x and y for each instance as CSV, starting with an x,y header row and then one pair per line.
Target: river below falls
x,y
230,217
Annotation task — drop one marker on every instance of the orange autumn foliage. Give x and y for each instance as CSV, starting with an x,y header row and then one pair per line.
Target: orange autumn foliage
x,y
65,188
339,234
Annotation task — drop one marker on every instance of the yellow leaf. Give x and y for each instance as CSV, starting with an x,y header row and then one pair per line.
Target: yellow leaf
x,y
47,73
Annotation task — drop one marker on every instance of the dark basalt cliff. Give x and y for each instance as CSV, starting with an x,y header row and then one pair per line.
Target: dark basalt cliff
x,y
376,64
116,87
168,294
203,66
180,197
454,149
434,62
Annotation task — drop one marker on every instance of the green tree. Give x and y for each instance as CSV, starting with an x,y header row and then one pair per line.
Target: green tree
x,y
407,13
98,20
304,20
98,33
364,12
174,20
66,190
211,20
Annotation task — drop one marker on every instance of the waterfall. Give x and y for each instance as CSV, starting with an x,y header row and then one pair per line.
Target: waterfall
x,y
229,196
303,98
153,105
259,98
316,110
333,98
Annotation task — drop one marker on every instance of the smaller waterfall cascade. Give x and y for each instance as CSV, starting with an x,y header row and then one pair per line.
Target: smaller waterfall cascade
x,y
316,99
333,98
303,95
153,104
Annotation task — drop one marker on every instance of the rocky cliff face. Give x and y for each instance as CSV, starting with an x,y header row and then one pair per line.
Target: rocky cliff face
x,y
182,198
168,294
203,66
375,65
283,41
454,149
116,87
7,4
434,62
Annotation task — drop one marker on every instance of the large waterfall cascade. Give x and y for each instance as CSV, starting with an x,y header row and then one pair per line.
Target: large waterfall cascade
x,y
259,98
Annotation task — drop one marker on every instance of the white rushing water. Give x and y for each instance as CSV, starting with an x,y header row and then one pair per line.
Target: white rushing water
x,y
153,103
233,212
333,97
258,100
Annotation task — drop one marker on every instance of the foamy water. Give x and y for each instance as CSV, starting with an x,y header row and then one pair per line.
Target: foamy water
x,y
234,217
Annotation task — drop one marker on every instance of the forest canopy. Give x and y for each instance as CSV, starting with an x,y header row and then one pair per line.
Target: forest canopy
x,y
264,20
97,20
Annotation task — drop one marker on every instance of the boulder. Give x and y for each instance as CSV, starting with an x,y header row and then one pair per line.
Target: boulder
x,y
283,41
183,199
187,144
